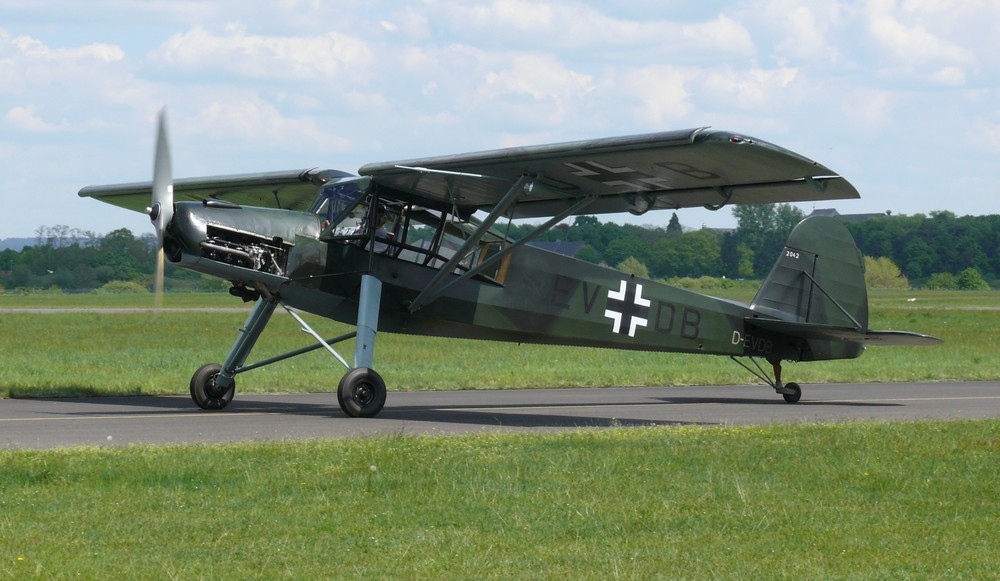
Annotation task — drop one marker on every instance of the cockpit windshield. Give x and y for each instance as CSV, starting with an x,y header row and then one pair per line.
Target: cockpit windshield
x,y
338,202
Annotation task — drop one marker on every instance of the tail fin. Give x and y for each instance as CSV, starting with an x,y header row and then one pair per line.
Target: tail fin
x,y
815,296
819,278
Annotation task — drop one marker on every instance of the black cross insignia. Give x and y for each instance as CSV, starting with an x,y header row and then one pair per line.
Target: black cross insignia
x,y
616,176
627,306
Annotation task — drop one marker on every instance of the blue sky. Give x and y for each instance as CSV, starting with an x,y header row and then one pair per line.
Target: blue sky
x,y
902,97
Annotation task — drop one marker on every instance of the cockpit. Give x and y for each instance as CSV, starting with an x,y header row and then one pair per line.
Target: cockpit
x,y
404,231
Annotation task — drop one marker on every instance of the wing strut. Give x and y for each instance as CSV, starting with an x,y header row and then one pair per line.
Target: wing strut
x,y
579,205
438,285
522,185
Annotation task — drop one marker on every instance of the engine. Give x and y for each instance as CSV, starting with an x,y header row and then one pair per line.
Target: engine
x,y
246,250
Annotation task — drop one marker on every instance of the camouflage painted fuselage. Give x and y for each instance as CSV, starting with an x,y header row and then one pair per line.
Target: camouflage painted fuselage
x,y
542,297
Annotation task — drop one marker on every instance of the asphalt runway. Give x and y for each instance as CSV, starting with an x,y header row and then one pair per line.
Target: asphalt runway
x,y
116,421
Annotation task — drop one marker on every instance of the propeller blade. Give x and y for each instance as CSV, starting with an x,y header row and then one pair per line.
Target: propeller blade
x,y
162,209
158,281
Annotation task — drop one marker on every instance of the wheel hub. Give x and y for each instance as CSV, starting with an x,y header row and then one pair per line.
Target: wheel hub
x,y
363,394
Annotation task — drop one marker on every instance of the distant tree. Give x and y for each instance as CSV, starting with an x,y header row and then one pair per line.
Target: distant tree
x,y
882,272
692,254
588,254
674,226
942,281
971,279
622,248
590,230
122,287
631,265
744,268
763,229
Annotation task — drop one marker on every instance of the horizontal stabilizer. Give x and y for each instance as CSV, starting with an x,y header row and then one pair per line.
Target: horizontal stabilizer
x,y
833,333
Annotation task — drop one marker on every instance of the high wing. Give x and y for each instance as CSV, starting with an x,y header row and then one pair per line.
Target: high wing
x,y
291,190
669,170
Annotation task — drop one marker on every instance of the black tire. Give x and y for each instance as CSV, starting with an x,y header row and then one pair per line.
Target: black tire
x,y
795,396
361,393
205,393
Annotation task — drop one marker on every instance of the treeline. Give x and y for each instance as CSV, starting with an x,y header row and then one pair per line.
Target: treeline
x,y
936,249
940,251
942,243
68,259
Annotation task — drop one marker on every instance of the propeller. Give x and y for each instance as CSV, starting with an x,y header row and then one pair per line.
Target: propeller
x,y
162,209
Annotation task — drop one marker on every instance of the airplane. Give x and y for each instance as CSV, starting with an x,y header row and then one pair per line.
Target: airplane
x,y
414,247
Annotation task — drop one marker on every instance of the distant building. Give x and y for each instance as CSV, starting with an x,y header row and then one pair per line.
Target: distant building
x,y
832,213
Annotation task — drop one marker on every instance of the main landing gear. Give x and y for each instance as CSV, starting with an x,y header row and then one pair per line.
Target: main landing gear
x,y
361,393
791,392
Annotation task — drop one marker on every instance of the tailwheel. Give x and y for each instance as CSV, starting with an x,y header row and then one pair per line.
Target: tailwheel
x,y
793,394
361,393
206,393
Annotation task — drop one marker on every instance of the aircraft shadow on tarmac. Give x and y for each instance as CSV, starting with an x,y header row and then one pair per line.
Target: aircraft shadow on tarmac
x,y
507,416
770,401
485,416
504,415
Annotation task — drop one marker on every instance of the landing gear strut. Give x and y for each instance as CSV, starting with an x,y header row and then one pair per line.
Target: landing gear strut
x,y
791,392
361,392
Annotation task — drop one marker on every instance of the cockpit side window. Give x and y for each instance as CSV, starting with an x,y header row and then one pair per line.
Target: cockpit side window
x,y
411,233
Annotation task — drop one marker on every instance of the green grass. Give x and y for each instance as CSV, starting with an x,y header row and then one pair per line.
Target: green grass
x,y
108,301
155,353
871,501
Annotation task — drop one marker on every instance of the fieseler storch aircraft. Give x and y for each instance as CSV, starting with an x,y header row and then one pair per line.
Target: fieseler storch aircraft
x,y
399,248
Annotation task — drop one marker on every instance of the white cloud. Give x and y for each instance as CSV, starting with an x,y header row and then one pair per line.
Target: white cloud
x,y
333,56
539,77
949,76
574,25
912,42
36,50
722,32
536,88
662,91
254,120
28,64
312,82
868,109
24,119
801,32
748,89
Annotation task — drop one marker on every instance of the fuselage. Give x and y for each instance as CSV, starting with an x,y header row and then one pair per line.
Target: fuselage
x,y
531,295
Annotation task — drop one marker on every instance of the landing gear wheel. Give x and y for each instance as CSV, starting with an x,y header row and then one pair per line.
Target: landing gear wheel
x,y
795,395
361,393
205,393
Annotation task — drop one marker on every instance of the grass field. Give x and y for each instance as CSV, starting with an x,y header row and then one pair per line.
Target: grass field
x,y
862,500
153,353
872,501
